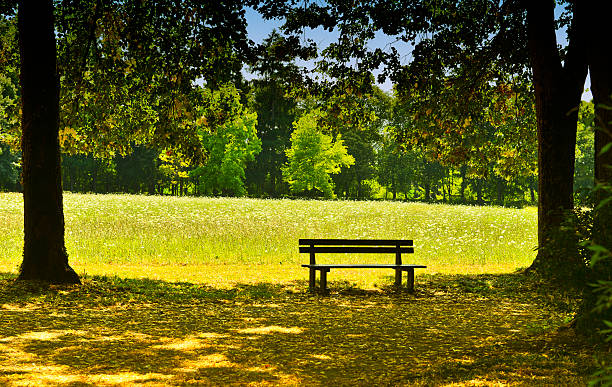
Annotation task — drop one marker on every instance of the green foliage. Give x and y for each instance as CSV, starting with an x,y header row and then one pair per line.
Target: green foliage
x,y
585,155
129,71
229,136
8,168
596,319
313,157
359,118
275,102
406,170
493,135
9,84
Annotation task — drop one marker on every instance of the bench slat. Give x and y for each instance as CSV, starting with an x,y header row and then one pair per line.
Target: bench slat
x,y
356,242
356,249
364,266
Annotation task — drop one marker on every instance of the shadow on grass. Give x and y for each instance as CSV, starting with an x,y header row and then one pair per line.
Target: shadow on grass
x,y
462,329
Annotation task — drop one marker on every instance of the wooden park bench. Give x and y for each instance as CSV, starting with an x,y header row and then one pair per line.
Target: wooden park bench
x,y
358,246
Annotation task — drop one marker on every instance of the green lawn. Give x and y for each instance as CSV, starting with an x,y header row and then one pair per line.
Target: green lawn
x,y
226,240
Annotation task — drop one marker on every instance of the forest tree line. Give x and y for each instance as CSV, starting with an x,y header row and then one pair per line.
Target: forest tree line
x,y
281,134
255,165
243,132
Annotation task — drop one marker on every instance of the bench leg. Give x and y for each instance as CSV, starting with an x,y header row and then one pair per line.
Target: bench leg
x,y
324,281
410,280
311,280
398,278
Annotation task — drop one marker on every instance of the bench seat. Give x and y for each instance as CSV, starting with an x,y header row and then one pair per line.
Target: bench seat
x,y
363,266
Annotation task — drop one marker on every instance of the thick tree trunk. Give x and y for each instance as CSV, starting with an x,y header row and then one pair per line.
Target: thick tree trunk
x,y
558,89
44,252
600,67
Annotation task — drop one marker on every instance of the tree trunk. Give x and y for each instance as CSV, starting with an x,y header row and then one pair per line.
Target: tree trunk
x,y
479,198
94,175
462,187
500,188
600,67
44,251
558,89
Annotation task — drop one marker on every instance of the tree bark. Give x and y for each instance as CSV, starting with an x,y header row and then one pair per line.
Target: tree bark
x,y
44,251
600,67
558,90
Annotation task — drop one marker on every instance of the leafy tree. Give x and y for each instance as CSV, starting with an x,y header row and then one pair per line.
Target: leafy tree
x,y
350,181
138,172
9,113
313,157
585,157
360,117
275,102
132,63
86,173
130,70
230,143
394,166
476,45
8,169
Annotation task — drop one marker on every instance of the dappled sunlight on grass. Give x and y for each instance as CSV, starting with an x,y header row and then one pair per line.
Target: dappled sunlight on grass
x,y
455,330
268,330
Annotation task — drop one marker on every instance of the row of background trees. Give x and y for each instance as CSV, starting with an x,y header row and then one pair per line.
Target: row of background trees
x,y
398,150
251,158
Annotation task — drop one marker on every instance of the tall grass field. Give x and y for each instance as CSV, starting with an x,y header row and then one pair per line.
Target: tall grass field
x,y
228,241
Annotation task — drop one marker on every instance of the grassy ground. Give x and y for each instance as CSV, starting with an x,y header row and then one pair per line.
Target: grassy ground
x,y
195,291
228,241
456,330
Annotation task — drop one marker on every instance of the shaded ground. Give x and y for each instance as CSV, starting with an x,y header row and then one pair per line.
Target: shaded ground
x,y
455,330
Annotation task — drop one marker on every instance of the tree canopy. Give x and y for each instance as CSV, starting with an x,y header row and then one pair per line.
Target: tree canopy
x,y
313,157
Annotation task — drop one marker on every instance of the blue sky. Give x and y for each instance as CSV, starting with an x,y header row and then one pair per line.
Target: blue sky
x,y
258,29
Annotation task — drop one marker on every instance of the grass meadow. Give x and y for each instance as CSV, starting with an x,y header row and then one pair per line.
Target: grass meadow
x,y
224,241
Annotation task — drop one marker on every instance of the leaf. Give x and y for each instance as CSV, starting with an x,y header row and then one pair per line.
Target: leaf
x,y
605,149
603,203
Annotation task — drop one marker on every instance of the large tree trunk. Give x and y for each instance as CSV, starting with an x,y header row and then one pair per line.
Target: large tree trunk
x,y
44,252
558,90
600,67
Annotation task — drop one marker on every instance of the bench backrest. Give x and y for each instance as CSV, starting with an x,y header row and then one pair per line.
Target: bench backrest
x,y
357,246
